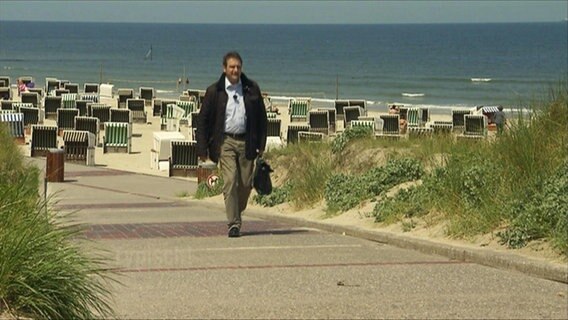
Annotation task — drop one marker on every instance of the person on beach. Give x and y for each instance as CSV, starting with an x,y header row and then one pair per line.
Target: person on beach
x,y
499,119
231,130
22,87
402,122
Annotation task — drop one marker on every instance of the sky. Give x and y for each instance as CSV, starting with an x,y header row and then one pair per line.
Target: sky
x,y
286,12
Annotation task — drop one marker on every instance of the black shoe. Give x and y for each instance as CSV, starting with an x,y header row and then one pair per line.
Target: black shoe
x,y
234,232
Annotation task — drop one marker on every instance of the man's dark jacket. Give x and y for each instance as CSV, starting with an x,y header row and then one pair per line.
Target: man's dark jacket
x,y
211,120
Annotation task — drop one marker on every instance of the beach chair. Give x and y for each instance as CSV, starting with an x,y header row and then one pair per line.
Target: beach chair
x,y
420,132
15,123
188,107
106,91
99,111
306,136
361,104
7,104
351,113
4,81
332,119
292,132
81,105
475,126
424,116
339,106
318,120
193,123
123,95
91,97
458,119
413,117
31,116
391,126
273,134
90,124
91,88
39,91
50,105
79,147
369,124
298,110
136,107
68,100
271,115
171,119
183,160
66,119
30,97
118,137
161,149
442,127
72,87
17,105
59,92
43,139
51,84
120,115
147,94
5,93
157,107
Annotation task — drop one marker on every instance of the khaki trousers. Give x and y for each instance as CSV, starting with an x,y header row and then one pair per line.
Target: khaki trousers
x,y
236,171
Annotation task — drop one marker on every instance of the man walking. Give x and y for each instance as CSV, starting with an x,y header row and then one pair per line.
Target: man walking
x,y
231,130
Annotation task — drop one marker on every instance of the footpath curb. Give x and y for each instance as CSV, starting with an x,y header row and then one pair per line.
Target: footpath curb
x,y
482,256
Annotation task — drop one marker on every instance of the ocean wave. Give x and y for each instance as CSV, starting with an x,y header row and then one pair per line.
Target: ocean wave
x,y
413,95
481,79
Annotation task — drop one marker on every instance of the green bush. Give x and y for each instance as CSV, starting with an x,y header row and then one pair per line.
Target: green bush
x,y
44,272
203,191
340,142
278,196
407,203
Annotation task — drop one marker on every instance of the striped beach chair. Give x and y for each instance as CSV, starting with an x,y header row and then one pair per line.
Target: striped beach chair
x,y
79,147
391,126
90,124
91,97
51,84
68,100
188,107
183,160
413,117
66,119
120,115
424,116
50,105
39,91
420,132
306,136
17,105
368,124
171,119
136,107
91,88
15,123
442,127
331,117
157,107
60,92
318,120
193,122
82,106
146,93
351,113
271,115
292,132
298,110
43,139
123,95
118,137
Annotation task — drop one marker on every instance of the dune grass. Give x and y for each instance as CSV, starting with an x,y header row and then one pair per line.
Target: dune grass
x,y
515,185
44,271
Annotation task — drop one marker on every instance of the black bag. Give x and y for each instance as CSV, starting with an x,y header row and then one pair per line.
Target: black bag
x,y
261,181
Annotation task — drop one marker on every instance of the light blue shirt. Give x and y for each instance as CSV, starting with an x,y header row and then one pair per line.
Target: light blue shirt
x,y
235,115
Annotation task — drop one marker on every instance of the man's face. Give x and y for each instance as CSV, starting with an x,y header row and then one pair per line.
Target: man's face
x,y
233,70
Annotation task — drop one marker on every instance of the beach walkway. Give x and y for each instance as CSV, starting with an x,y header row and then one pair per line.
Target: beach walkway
x,y
175,261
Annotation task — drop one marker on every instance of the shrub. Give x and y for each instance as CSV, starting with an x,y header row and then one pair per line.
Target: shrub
x,y
203,191
278,196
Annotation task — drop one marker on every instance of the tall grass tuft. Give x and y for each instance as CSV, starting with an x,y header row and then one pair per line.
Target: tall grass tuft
x,y
44,272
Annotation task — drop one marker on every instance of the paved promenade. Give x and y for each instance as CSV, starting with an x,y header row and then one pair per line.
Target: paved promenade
x,y
176,261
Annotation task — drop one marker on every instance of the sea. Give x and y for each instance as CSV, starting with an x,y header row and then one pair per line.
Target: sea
x,y
435,65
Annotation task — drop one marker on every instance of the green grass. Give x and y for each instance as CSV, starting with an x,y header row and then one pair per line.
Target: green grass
x,y
44,271
515,185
